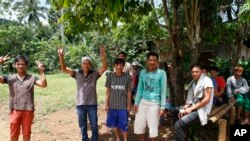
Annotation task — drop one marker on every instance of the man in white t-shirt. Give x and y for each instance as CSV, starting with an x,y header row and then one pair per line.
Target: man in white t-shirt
x,y
198,104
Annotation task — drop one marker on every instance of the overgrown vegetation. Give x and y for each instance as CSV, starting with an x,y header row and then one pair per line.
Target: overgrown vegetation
x,y
175,29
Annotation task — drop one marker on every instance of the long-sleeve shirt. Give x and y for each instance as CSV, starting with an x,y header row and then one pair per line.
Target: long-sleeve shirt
x,y
152,87
236,85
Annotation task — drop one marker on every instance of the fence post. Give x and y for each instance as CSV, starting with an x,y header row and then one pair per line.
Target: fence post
x,y
232,116
222,130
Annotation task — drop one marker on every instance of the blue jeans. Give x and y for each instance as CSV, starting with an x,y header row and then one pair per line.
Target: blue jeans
x,y
91,111
183,123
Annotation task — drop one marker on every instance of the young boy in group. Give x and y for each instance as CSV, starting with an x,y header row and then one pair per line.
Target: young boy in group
x,y
238,88
219,96
86,101
127,67
118,99
150,98
21,87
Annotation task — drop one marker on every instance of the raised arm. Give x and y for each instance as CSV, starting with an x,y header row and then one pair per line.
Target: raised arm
x,y
42,82
104,61
2,60
62,64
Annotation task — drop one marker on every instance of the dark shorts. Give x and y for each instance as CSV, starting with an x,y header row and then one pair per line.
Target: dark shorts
x,y
118,118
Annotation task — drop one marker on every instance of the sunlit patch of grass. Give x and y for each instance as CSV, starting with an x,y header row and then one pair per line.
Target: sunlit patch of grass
x,y
4,94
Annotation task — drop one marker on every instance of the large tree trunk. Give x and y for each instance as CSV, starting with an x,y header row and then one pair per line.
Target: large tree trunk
x,y
192,18
178,88
195,51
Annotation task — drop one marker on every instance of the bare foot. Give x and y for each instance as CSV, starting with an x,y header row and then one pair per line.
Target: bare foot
x,y
245,123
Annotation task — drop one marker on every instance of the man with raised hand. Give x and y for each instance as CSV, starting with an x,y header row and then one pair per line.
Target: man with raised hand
x,y
86,101
21,87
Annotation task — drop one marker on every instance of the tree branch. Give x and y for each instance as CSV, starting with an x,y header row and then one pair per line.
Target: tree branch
x,y
167,18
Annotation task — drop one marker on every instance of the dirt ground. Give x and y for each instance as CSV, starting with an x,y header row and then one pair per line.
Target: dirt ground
x,y
62,125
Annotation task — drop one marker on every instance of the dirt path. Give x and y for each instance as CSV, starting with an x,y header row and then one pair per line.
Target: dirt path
x,y
62,126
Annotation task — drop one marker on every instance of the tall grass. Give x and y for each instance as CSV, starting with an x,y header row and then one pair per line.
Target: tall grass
x,y
60,93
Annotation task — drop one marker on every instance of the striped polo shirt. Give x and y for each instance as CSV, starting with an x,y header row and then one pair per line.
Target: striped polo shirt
x,y
119,86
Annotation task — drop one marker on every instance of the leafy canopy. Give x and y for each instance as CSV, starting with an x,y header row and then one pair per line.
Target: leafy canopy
x,y
87,15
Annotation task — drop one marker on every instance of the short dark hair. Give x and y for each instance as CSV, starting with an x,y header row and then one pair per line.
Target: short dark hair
x,y
21,57
214,68
237,66
122,52
119,61
153,54
198,65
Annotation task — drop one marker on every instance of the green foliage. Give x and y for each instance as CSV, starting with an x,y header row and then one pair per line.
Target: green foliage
x,y
220,34
224,66
245,12
75,54
246,66
244,20
16,39
145,27
47,54
87,15
36,44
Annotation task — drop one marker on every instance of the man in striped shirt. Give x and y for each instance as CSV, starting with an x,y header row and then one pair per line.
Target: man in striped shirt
x,y
118,99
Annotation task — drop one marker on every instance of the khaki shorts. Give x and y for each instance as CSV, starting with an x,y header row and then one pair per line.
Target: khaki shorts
x,y
18,119
148,114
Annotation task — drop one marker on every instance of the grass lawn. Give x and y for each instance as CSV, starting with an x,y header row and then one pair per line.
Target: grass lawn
x,y
60,93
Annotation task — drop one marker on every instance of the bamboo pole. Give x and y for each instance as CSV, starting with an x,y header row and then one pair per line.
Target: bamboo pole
x,y
232,116
222,112
222,130
216,109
